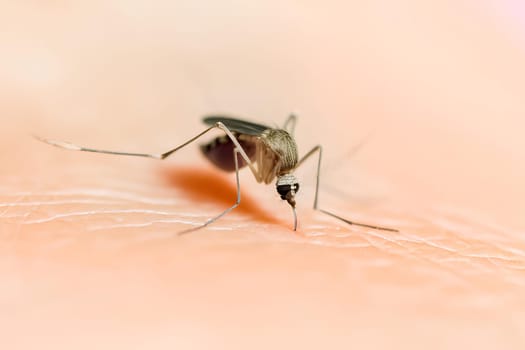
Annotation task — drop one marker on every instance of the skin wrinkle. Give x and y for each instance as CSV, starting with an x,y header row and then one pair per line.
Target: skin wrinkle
x,y
109,193
454,211
94,213
410,244
415,246
147,224
454,277
58,202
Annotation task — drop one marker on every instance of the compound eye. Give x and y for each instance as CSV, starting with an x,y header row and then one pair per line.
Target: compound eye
x,y
283,190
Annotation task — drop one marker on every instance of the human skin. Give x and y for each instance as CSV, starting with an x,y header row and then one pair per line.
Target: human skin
x,y
89,251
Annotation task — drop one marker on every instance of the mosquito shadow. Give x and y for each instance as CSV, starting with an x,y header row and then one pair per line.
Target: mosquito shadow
x,y
205,185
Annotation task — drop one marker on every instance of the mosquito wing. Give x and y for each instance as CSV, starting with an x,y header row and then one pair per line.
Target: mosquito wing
x,y
237,125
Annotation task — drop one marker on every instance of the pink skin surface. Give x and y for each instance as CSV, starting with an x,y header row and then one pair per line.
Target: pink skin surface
x,y
89,256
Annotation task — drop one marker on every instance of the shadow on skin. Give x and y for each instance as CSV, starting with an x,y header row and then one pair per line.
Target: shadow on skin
x,y
205,185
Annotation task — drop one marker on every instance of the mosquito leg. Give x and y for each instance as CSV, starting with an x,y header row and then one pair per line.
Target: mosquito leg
x,y
291,120
319,150
358,224
73,147
218,125
238,200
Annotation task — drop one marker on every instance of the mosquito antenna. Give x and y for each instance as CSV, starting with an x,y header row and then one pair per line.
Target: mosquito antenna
x,y
291,120
357,147
352,152
357,223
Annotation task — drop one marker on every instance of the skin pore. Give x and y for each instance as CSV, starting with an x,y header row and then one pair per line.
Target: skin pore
x,y
88,252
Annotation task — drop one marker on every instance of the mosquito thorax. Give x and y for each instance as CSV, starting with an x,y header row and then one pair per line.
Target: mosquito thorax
x,y
284,146
287,186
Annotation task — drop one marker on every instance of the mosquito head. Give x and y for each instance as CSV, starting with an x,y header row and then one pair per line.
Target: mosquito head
x,y
287,186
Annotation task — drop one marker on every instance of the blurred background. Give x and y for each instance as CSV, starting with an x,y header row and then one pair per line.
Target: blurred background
x,y
437,84
434,88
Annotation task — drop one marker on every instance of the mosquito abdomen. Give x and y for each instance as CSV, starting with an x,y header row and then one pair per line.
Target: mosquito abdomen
x,y
220,152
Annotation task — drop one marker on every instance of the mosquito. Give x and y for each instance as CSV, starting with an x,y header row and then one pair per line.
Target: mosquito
x,y
269,153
